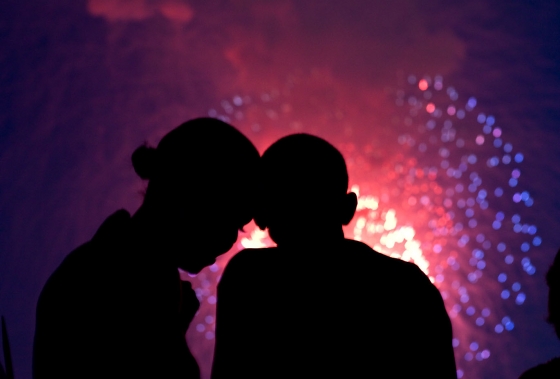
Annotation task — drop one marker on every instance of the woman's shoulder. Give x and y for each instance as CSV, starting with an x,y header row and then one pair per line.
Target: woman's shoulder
x,y
91,254
115,225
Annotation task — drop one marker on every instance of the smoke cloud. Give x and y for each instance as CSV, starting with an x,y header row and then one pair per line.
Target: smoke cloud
x,y
137,10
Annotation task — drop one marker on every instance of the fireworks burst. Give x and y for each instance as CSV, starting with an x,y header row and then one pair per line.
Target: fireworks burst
x,y
438,185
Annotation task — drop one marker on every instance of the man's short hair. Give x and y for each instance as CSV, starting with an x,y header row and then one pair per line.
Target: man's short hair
x,y
302,162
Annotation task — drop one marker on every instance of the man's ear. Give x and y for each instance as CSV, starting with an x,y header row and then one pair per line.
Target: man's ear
x,y
349,206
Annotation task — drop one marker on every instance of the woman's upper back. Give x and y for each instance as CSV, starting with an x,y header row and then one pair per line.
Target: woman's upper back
x,y
104,306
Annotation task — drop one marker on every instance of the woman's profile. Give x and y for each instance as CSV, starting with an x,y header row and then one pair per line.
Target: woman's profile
x,y
116,306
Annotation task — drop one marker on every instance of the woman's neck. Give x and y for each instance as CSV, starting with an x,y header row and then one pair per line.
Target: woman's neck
x,y
149,234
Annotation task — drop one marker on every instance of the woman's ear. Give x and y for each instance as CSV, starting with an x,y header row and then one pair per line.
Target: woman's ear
x,y
349,206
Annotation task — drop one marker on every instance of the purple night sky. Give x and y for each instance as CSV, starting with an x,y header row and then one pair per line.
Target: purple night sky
x,y
83,83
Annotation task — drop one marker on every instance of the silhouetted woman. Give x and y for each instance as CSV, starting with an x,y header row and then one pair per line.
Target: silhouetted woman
x,y
116,307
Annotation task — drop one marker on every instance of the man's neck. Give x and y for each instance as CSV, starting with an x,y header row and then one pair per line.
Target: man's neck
x,y
318,236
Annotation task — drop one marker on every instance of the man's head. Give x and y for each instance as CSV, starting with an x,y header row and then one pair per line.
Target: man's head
x,y
200,188
303,189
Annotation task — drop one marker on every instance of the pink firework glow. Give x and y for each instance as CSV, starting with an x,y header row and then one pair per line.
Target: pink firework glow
x,y
438,184
456,166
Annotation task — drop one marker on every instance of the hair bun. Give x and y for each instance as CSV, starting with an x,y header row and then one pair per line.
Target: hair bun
x,y
144,161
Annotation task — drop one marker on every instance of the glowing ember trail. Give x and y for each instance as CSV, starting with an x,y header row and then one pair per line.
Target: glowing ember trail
x,y
437,186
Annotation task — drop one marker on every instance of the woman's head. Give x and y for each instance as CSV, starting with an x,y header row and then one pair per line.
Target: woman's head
x,y
200,188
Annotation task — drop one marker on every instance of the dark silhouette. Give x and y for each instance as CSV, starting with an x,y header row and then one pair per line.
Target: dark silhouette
x,y
319,305
115,307
8,373
550,369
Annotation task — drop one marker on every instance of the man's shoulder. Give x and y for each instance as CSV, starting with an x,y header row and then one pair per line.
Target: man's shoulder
x,y
348,253
399,275
368,255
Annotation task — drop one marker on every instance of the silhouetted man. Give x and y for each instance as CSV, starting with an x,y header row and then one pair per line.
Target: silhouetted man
x,y
319,305
116,307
